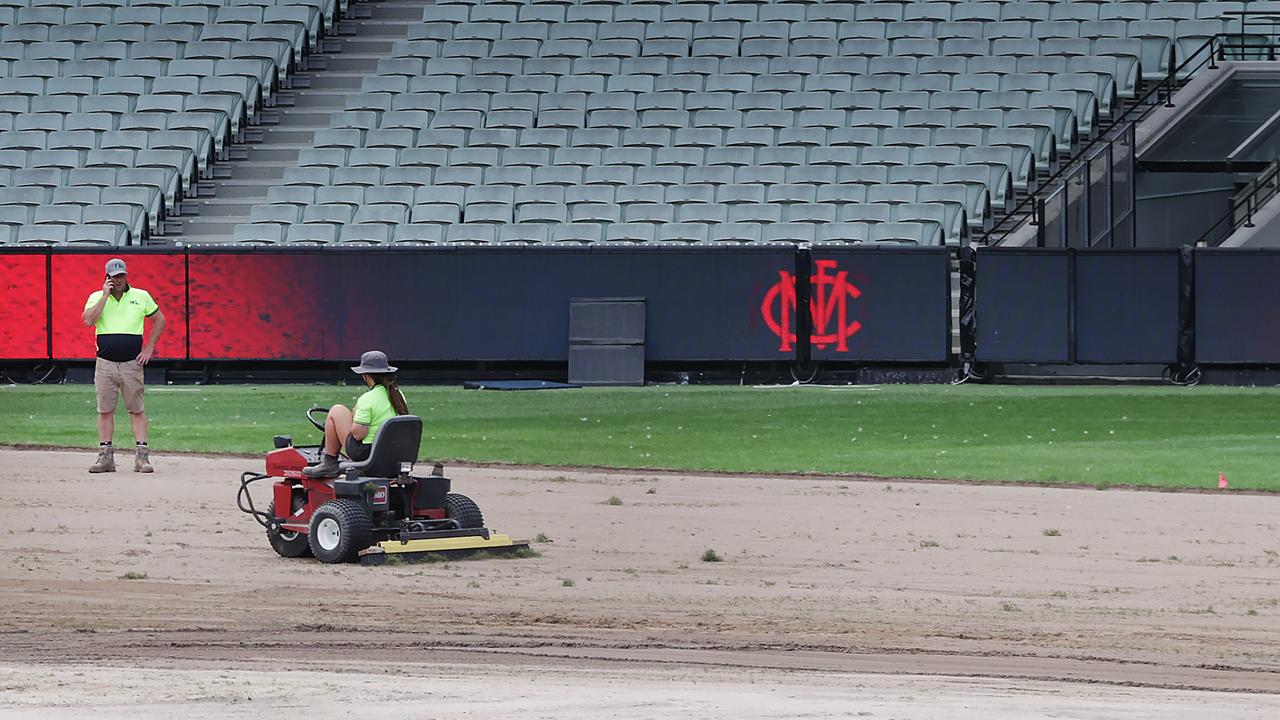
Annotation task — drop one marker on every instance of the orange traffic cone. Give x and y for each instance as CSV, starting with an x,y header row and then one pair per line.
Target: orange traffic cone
x,y
1222,481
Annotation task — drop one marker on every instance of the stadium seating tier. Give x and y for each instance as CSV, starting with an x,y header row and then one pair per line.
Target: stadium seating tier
x,y
112,110
593,121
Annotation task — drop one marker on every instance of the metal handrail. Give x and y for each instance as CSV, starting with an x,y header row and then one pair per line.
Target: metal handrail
x,y
1142,107
1266,185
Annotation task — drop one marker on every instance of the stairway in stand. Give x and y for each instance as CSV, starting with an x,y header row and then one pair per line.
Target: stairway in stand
x,y
315,93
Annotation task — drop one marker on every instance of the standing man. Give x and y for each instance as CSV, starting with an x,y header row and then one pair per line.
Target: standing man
x,y
117,312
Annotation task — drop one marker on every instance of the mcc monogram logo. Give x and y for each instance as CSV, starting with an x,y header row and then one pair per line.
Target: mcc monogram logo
x,y
829,295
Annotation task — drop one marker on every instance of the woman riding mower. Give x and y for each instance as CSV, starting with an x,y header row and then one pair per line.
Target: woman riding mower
x,y
354,431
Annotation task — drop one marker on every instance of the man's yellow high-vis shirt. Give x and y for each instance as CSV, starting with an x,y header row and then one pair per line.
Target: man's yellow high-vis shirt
x,y
119,328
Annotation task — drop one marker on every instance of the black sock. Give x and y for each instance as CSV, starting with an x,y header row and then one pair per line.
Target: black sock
x,y
142,444
106,444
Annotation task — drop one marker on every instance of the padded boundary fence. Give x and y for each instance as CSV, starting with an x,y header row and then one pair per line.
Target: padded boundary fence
x,y
866,305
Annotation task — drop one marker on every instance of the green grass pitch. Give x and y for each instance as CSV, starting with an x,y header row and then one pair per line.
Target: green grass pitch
x,y
1106,436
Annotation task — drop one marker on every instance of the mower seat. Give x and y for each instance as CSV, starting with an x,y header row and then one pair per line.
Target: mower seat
x,y
397,442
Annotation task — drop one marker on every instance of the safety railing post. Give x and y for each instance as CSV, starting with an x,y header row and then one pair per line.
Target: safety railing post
x,y
1244,20
1038,218
968,271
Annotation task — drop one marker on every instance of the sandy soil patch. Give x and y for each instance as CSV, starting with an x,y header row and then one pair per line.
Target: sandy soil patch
x,y
1074,592
531,691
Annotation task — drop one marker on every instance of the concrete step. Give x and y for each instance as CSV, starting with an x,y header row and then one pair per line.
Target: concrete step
x,y
256,191
356,63
290,135
200,239
358,45
310,119
225,230
251,171
258,173
314,62
336,81
383,11
373,30
258,153
216,208
312,100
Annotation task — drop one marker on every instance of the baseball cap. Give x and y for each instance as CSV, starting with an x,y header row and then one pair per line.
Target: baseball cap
x,y
115,266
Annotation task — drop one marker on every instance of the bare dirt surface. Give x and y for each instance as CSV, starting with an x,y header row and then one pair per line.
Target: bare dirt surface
x,y
835,598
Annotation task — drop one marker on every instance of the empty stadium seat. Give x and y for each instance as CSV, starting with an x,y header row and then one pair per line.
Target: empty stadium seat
x,y
134,102
601,121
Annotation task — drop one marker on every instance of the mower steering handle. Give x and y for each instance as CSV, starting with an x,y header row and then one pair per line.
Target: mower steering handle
x,y
311,417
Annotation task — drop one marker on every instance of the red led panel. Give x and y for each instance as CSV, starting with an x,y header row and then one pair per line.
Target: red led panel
x,y
260,306
78,275
24,309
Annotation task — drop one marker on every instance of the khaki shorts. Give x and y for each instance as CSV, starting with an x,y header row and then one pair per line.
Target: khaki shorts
x,y
110,379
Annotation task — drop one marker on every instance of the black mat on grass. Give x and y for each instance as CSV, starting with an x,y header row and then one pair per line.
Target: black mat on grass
x,y
516,385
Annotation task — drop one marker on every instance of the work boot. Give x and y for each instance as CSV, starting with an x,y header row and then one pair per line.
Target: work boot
x,y
142,459
106,461
328,467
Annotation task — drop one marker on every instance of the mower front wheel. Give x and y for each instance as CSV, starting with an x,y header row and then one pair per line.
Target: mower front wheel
x,y
286,543
464,510
340,529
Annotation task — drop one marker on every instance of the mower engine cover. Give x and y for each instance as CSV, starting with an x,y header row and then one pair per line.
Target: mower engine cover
x,y
287,462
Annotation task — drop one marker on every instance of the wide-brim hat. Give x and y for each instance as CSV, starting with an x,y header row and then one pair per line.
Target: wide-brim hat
x,y
374,362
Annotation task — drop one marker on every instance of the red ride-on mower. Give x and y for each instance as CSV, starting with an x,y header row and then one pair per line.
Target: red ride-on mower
x,y
373,510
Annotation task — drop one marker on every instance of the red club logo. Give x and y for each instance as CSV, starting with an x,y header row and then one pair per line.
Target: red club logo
x,y
829,295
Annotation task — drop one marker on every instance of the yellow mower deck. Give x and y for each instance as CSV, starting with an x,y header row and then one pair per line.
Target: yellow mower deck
x,y
449,547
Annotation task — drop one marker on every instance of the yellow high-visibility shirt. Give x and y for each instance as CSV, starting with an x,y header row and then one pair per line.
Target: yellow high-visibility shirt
x,y
124,316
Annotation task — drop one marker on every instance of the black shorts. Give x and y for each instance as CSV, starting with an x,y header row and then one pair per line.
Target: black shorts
x,y
357,451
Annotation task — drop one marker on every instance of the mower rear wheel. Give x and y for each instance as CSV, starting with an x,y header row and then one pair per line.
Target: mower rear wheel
x,y
340,529
464,510
286,543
